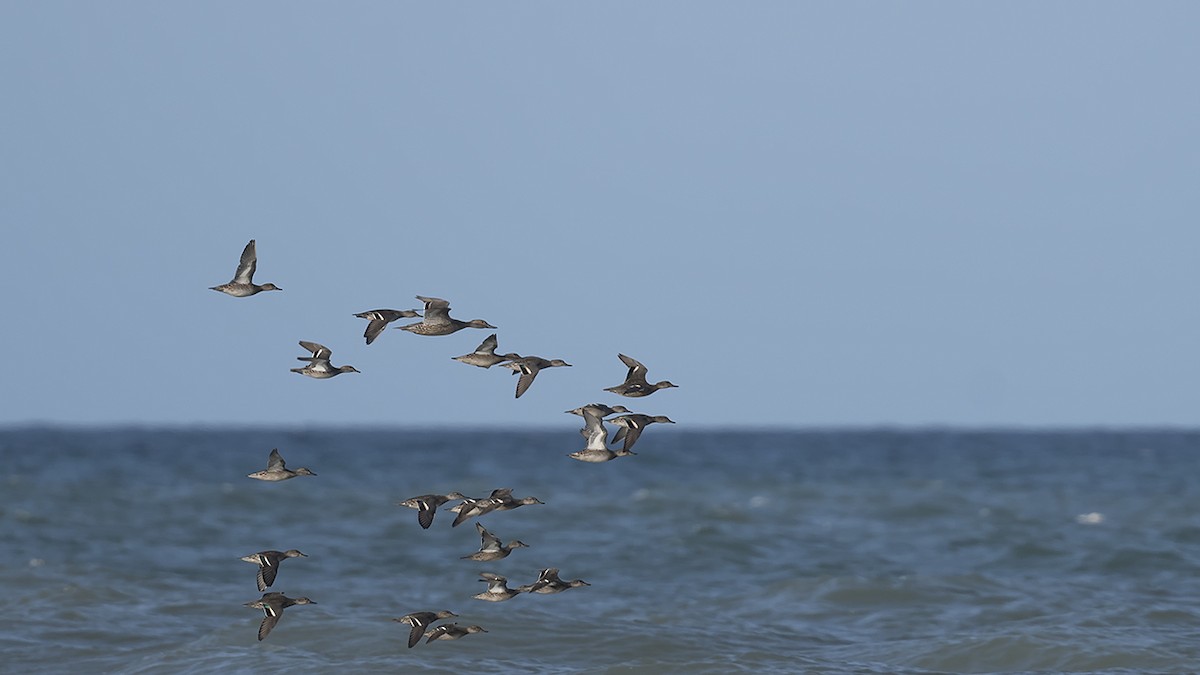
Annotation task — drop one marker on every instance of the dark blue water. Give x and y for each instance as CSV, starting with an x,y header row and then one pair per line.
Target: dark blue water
x,y
708,552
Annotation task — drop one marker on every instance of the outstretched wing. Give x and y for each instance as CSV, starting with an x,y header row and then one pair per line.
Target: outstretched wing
x,y
597,435
425,512
275,461
267,570
246,266
636,370
374,328
268,622
319,352
527,376
414,635
487,540
437,310
631,435
488,346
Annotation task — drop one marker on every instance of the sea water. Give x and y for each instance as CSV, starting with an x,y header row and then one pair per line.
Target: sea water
x,y
710,551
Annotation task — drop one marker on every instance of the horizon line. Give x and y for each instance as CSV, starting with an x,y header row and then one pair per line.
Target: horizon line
x,y
889,427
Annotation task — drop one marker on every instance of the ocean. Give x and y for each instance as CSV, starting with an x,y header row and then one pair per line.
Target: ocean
x,y
711,551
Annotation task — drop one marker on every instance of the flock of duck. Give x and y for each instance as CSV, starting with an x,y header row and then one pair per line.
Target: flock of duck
x,y
436,321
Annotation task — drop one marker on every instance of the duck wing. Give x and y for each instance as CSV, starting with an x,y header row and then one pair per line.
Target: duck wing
x,y
488,346
419,623
247,265
426,510
487,540
268,622
374,328
528,373
631,435
478,508
275,461
637,372
319,352
437,310
597,435
267,569
414,635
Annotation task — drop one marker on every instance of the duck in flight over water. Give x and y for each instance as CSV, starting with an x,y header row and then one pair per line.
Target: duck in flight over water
x,y
277,469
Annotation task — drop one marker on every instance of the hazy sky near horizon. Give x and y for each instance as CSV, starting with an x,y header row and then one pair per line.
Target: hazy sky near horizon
x,y
803,214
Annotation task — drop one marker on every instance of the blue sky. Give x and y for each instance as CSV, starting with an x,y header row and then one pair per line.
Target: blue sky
x,y
804,214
